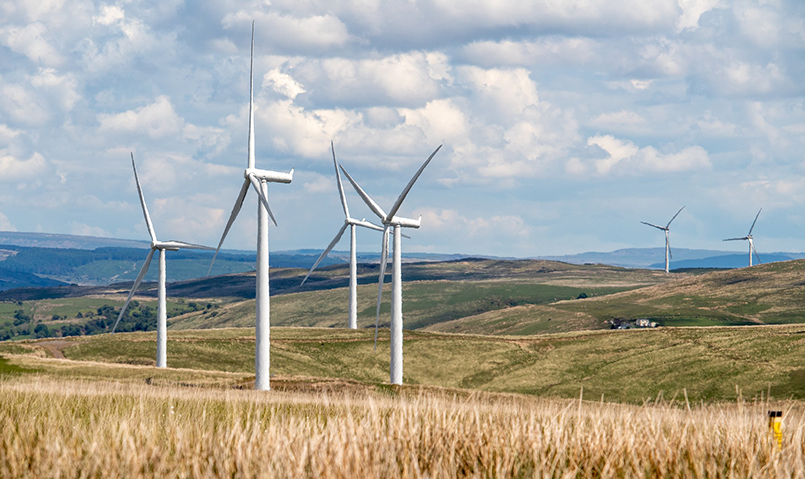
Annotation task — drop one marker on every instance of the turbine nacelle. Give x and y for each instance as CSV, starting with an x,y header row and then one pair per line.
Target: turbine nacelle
x,y
269,176
403,222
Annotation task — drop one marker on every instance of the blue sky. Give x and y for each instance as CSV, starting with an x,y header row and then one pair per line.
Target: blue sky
x,y
564,123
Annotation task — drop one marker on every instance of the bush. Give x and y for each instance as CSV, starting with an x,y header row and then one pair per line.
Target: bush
x,y
20,317
71,330
42,331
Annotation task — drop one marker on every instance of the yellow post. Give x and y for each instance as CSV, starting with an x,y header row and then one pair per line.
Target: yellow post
x,y
776,427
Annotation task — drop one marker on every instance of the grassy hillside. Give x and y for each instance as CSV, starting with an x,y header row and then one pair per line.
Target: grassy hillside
x,y
425,303
764,294
626,365
432,292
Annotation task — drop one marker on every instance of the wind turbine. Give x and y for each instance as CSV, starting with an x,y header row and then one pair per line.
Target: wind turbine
x,y
161,246
258,179
749,238
666,228
353,264
390,220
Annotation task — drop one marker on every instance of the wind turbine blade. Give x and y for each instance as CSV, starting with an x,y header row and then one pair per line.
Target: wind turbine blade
x,y
258,188
235,210
340,185
658,227
376,209
736,239
251,104
148,223
757,256
753,223
366,224
184,245
670,254
677,214
384,258
326,251
410,184
137,282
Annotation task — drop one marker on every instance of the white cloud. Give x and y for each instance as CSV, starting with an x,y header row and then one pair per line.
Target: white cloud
x,y
504,92
188,219
319,184
405,79
625,156
5,224
110,14
293,32
306,133
283,83
692,10
157,120
550,50
450,220
441,120
31,41
15,169
83,229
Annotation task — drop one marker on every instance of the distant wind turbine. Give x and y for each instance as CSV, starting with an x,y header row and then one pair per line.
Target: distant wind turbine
x,y
258,179
390,220
161,246
749,238
353,264
667,230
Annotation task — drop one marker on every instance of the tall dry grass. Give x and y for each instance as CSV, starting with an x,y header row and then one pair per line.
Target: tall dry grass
x,y
81,429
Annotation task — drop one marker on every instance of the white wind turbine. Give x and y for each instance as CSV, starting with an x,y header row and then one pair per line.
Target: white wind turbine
x,y
666,228
390,220
353,263
161,246
258,179
750,238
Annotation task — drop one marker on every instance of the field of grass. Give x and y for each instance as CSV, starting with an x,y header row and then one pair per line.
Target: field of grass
x,y
70,428
709,364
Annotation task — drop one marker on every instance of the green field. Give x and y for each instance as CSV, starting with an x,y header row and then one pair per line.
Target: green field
x,y
710,364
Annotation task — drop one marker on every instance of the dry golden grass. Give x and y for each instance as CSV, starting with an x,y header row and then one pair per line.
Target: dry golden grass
x,y
80,429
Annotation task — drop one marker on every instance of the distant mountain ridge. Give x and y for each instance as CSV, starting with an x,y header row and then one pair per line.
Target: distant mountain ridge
x,y
45,259
654,258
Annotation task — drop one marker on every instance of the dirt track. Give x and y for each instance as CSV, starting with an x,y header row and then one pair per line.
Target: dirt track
x,y
55,347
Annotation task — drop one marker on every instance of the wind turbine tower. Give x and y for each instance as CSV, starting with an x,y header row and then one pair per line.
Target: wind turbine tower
x,y
161,246
390,220
667,230
353,261
258,179
750,238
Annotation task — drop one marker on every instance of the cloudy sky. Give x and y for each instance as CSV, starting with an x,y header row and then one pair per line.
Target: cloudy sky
x,y
564,122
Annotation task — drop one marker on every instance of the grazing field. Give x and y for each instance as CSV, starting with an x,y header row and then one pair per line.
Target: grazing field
x,y
629,366
764,294
70,428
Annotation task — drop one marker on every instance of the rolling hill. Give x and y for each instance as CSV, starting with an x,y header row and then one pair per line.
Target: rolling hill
x,y
765,294
434,292
710,364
